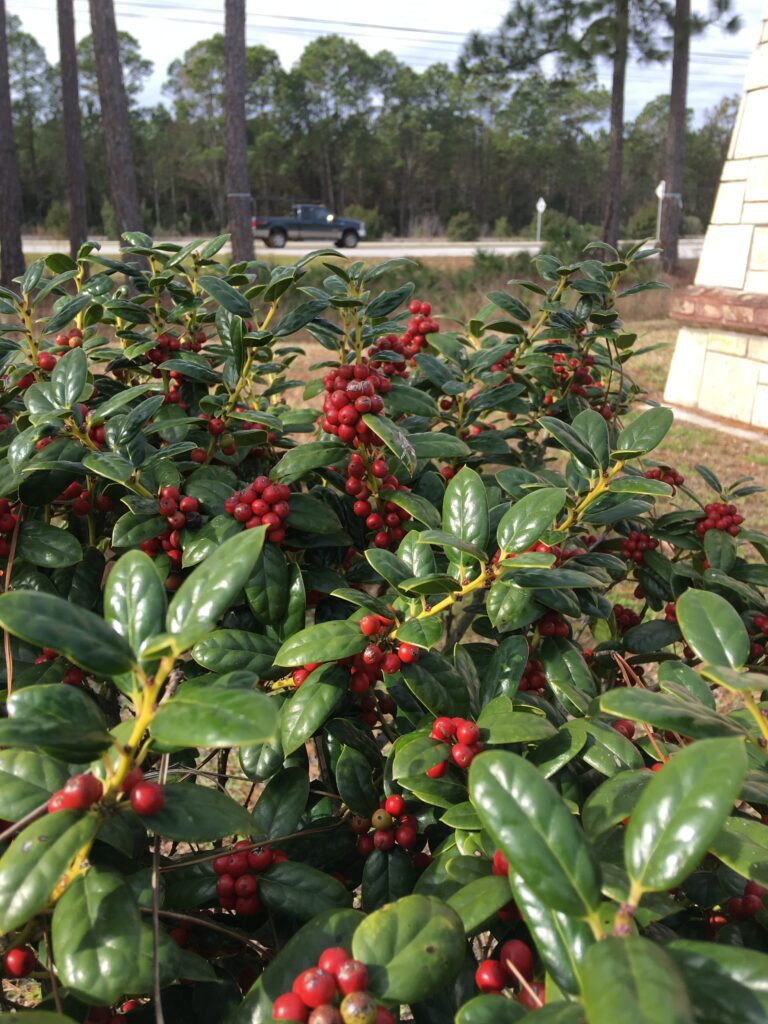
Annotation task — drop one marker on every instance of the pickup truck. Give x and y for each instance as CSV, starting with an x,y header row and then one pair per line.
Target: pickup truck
x,y
308,222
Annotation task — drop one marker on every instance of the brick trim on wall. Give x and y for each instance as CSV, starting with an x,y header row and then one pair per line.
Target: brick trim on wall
x,y
722,308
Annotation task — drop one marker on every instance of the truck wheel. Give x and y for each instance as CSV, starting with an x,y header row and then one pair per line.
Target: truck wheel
x,y
277,239
349,240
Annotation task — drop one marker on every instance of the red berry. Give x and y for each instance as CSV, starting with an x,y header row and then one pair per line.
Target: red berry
x,y
625,727
405,836
462,755
517,954
408,654
467,733
289,1007
198,455
438,770
489,976
379,468
46,361
352,976
332,958
394,805
325,1014
147,798
535,998
314,987
390,664
383,839
500,865
443,729
216,426
369,625
246,885
19,962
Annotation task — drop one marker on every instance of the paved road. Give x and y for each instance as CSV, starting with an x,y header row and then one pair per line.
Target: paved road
x,y
690,248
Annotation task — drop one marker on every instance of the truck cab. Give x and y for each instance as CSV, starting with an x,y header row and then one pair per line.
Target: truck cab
x,y
308,222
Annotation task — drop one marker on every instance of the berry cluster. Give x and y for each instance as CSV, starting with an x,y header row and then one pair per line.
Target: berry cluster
x,y
719,516
73,338
19,961
390,826
364,673
670,612
625,618
574,375
552,624
82,503
237,885
73,675
383,519
333,992
667,475
261,503
8,520
740,908
462,736
351,393
533,676
515,962
79,793
634,546
166,344
180,511
407,345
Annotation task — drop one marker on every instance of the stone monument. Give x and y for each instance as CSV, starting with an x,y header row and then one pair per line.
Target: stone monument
x,y
720,363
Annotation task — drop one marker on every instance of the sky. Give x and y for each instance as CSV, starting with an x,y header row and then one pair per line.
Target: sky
x,y
418,31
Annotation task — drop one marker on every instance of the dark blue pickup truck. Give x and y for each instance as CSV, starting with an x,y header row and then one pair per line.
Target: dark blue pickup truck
x,y
308,222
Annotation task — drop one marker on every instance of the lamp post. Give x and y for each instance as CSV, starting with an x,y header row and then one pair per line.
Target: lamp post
x,y
541,206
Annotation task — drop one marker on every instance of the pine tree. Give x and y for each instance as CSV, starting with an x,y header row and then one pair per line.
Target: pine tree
x,y
73,140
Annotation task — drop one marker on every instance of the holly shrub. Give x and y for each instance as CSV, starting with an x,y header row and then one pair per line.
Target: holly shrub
x,y
418,691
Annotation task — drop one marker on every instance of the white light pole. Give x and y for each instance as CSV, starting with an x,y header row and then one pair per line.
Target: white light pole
x,y
660,191
541,206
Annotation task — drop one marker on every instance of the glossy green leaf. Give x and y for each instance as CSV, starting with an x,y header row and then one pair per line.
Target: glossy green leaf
x,y
571,440
612,801
282,802
563,662
68,378
644,433
712,628
267,589
524,523
334,928
214,717
528,821
47,546
309,707
393,437
61,720
490,1010
634,981
227,296
743,846
727,984
681,811
134,599
665,712
27,780
437,684
354,781
306,458
561,940
214,585
198,814
82,637
230,650
477,903
35,862
419,508
465,514
300,891
329,641
95,934
412,947
386,877
500,722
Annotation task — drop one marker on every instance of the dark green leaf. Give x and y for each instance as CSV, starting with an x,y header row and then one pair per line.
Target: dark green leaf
x,y
48,546
330,641
300,891
309,707
282,802
197,814
214,717
524,523
712,628
644,433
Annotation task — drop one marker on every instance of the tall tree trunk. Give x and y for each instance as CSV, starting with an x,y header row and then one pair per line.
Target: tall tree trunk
x,y
671,211
616,154
239,201
73,137
114,113
11,255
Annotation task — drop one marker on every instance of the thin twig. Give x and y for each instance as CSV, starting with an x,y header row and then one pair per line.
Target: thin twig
x,y
51,974
201,922
255,846
6,588
523,983
156,987
23,822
